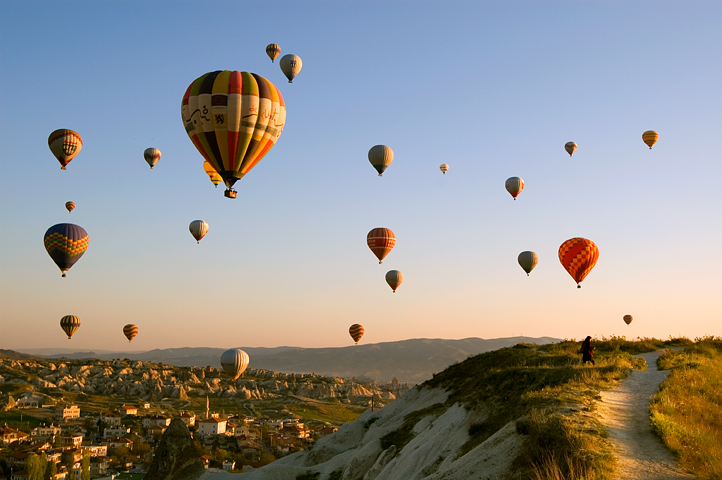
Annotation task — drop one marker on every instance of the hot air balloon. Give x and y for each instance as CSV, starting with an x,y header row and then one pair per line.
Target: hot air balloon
x,y
381,241
70,206
528,261
70,324
234,362
198,229
444,168
381,157
65,145
212,174
394,279
628,319
130,331
272,50
570,147
578,256
151,155
290,66
356,331
233,119
514,185
650,137
65,244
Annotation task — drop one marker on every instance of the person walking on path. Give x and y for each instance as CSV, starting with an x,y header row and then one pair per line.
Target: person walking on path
x,y
586,351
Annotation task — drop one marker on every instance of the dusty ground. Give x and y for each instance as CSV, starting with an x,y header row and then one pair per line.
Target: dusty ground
x,y
625,412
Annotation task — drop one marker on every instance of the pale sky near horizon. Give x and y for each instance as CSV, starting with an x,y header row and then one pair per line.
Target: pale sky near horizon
x,y
492,88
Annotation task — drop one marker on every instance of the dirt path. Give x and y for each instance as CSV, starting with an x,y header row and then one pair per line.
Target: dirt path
x,y
625,412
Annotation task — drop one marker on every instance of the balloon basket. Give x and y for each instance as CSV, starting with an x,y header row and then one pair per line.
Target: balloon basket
x,y
230,193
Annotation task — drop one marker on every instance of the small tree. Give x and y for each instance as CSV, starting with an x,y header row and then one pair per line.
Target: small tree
x,y
71,471
51,470
85,465
34,467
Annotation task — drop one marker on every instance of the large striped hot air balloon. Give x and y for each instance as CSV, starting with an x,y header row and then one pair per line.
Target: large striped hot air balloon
x,y
272,50
212,174
233,119
70,324
570,147
394,279
130,331
151,155
290,66
356,331
198,229
528,260
234,362
578,256
627,319
70,206
381,241
381,157
65,145
514,186
65,244
650,137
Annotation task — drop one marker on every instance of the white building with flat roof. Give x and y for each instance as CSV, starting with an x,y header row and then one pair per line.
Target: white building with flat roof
x,y
212,426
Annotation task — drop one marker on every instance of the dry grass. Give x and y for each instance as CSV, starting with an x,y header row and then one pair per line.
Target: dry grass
x,y
687,411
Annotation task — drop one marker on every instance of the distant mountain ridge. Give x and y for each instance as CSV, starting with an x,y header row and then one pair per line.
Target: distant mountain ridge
x,y
413,360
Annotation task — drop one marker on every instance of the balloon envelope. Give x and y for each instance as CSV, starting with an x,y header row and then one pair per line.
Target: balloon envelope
x,y
444,168
381,157
151,155
356,331
514,186
130,331
70,324
381,241
528,260
578,256
65,145
198,229
272,50
290,66
650,137
66,243
70,206
627,319
394,279
233,119
570,147
234,362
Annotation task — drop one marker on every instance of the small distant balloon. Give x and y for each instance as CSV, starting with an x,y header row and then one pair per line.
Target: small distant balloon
x,y
394,279
65,145
570,147
272,50
70,324
381,157
70,206
198,229
514,186
381,240
130,331
151,155
65,243
290,66
578,257
650,137
628,319
212,174
356,331
528,260
444,168
234,362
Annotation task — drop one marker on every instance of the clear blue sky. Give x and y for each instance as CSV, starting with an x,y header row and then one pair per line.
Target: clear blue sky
x,y
494,89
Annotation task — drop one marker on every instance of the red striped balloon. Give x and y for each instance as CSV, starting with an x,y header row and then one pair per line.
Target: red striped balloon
x,y
578,256
381,241
356,331
130,331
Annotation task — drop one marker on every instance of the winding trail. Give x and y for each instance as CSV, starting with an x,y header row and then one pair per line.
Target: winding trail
x,y
624,410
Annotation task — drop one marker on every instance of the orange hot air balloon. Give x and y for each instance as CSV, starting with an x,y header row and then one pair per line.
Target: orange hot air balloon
x,y
356,331
570,147
650,137
578,256
70,206
514,186
130,331
381,241
627,319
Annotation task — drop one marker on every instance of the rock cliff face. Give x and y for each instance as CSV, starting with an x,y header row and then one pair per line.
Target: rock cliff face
x,y
150,381
176,458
